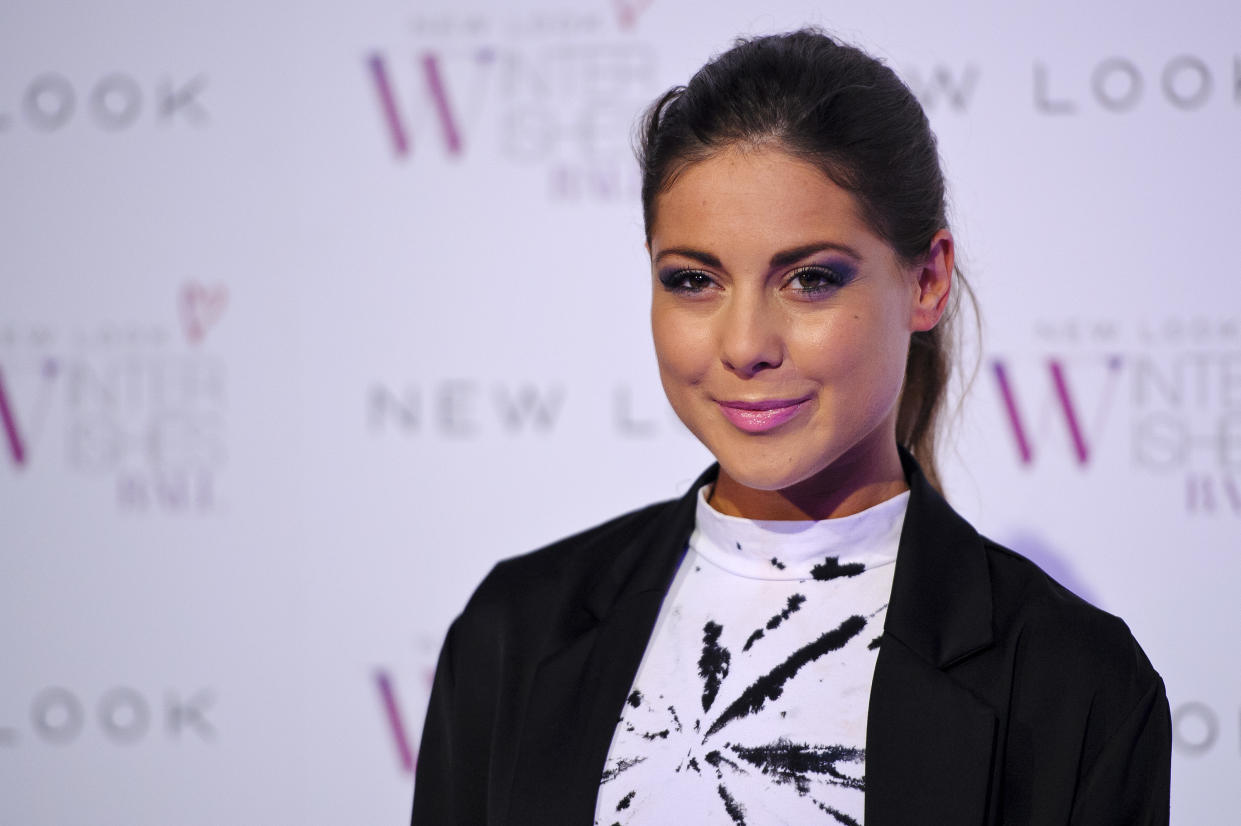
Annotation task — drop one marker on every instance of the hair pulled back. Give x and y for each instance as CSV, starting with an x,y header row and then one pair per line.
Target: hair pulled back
x,y
847,113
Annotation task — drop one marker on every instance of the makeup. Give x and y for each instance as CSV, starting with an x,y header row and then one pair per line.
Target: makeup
x,y
761,416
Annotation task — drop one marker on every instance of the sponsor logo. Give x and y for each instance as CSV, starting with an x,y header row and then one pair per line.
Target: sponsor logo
x,y
404,721
1119,84
548,91
114,102
429,65
14,439
943,87
1112,85
470,408
628,11
402,737
200,308
133,405
121,715
1196,729
464,408
1063,402
564,110
1163,396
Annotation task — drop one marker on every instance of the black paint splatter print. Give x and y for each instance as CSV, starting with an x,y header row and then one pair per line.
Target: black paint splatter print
x,y
840,816
783,761
771,685
734,809
621,767
715,759
788,762
713,665
831,568
793,604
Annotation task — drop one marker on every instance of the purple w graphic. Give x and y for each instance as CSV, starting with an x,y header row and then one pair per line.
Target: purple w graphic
x,y
434,79
396,723
15,439
17,447
1064,401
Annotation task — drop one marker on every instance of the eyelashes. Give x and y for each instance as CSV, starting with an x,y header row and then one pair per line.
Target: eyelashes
x,y
816,279
810,280
685,281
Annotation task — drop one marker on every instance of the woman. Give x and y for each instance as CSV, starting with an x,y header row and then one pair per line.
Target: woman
x,y
811,634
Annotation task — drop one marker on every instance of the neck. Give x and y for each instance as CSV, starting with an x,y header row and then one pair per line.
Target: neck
x,y
846,487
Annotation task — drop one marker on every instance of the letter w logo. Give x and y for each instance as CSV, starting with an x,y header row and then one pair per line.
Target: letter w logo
x,y
432,75
1063,400
396,722
13,438
406,755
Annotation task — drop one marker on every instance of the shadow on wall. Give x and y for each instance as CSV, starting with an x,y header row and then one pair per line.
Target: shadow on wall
x,y
1036,549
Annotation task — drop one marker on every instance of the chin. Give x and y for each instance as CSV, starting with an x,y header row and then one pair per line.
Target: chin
x,y
769,473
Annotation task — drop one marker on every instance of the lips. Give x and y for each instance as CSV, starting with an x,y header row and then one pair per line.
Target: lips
x,y
761,416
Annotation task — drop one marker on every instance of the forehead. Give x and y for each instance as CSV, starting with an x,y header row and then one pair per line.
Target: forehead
x,y
756,196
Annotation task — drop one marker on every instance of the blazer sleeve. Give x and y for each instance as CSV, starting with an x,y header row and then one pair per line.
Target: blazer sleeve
x,y
447,790
1128,783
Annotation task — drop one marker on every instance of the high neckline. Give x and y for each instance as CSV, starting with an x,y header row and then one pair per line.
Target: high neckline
x,y
821,549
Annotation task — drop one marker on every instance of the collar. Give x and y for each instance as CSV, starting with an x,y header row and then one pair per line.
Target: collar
x,y
797,549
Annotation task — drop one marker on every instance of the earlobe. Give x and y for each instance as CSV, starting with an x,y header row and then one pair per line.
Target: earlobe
x,y
934,283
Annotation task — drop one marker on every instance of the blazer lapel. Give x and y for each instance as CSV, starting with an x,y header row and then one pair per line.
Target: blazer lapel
x,y
929,745
579,689
929,741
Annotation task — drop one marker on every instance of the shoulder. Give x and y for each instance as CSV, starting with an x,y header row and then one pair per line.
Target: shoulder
x,y
567,561
1048,620
550,584
1070,662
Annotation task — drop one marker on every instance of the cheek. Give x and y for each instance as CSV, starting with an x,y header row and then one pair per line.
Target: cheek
x,y
855,357
834,348
682,346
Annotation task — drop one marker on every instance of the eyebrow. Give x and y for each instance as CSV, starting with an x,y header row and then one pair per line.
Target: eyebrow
x,y
792,256
689,252
780,259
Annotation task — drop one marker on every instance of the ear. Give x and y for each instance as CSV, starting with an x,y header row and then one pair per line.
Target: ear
x,y
933,283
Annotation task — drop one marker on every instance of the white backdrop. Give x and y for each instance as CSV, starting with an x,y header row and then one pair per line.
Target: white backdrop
x,y
310,312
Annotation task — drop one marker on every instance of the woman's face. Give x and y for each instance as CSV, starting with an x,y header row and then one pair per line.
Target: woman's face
x,y
781,325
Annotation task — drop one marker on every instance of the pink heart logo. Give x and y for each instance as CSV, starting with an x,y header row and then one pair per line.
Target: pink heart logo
x,y
627,11
201,307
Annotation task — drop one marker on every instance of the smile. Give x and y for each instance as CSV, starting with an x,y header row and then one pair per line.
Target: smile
x,y
761,416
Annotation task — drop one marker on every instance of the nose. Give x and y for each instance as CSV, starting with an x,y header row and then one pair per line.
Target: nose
x,y
750,336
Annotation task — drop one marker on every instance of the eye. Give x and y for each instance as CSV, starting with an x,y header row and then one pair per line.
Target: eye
x,y
816,279
686,281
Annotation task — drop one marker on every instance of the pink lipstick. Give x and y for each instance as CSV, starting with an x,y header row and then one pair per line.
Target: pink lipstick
x,y
761,416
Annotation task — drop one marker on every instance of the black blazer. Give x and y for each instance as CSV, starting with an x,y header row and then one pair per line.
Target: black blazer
x,y
998,696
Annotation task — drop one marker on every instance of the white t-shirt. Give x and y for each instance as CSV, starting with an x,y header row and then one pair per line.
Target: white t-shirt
x,y
749,706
